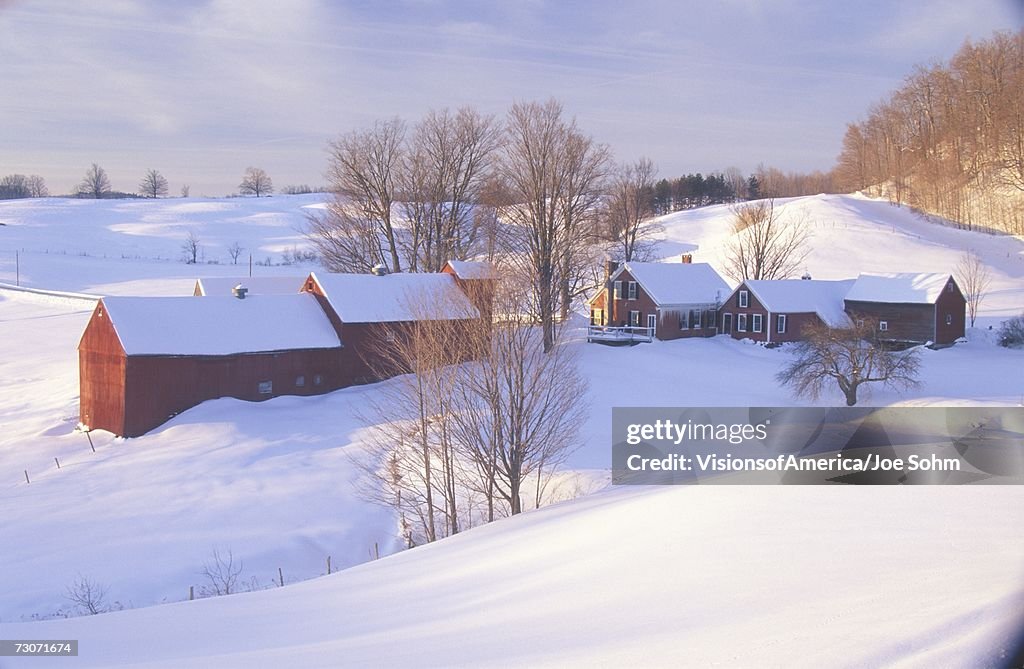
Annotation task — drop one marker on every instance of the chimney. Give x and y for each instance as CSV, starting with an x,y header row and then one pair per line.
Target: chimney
x,y
609,268
380,269
687,258
239,291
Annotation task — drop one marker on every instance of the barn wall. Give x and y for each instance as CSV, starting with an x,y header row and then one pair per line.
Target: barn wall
x,y
101,371
907,322
160,387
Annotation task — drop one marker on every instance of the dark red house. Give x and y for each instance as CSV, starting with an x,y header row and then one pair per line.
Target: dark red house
x,y
674,300
910,308
143,360
774,312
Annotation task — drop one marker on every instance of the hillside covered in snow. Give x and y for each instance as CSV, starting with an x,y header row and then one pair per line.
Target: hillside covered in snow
x,y
730,575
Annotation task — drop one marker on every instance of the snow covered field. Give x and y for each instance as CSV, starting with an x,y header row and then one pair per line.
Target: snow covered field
x,y
738,576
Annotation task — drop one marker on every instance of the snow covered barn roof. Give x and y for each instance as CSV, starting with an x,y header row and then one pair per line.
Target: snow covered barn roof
x,y
367,298
219,325
472,269
257,285
678,283
907,288
801,296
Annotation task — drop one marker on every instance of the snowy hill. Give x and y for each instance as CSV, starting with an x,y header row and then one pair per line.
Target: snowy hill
x,y
620,576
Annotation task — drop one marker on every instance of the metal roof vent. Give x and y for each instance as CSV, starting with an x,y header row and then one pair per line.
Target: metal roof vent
x,y
380,269
239,291
806,276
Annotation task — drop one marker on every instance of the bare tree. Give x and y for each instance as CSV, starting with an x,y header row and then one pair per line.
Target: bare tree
x,y
89,596
762,245
153,184
412,457
234,251
442,176
185,190
222,572
553,173
357,231
517,410
36,186
95,183
974,278
849,357
631,202
190,248
256,182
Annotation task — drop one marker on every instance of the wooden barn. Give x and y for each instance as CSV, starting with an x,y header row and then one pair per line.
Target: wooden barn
x,y
672,300
143,360
910,308
777,311
363,308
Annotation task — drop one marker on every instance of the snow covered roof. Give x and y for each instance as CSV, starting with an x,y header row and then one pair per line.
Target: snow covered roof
x,y
801,296
366,298
678,283
909,288
257,285
472,269
219,325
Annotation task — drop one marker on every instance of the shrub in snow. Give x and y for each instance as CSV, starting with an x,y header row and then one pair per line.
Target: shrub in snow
x,y
1011,333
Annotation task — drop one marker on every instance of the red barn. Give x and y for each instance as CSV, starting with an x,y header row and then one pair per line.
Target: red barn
x,y
143,360
910,308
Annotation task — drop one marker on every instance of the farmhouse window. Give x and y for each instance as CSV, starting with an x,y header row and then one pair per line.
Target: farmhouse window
x,y
618,290
741,322
780,321
756,322
632,290
860,322
744,299
300,381
695,319
266,387
684,322
317,379
883,326
949,319
634,318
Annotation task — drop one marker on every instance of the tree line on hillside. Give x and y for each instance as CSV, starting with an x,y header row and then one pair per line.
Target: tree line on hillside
x,y
950,140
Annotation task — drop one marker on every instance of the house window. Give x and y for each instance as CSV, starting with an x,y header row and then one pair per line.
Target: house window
x,y
684,320
744,299
741,322
634,318
949,319
317,379
756,322
949,287
300,381
780,322
618,290
695,319
860,322
632,290
593,316
266,387
883,326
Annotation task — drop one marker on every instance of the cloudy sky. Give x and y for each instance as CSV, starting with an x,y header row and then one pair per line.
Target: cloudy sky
x,y
202,89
